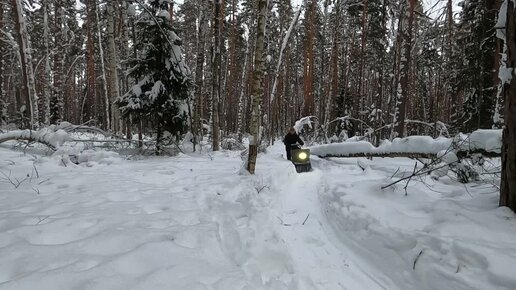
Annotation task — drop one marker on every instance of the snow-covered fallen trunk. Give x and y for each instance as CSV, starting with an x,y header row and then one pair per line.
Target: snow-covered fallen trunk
x,y
487,142
53,137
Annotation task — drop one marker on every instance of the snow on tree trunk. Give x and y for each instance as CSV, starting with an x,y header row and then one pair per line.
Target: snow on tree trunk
x,y
507,32
112,115
47,91
24,46
241,98
57,102
405,62
199,70
107,124
3,105
257,89
88,106
217,75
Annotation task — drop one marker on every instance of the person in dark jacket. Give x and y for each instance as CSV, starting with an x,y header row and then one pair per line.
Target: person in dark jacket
x,y
290,139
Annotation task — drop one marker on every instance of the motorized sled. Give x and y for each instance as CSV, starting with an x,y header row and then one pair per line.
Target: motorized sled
x,y
300,158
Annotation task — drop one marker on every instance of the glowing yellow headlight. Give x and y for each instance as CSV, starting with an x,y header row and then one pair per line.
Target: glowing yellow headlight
x,y
302,156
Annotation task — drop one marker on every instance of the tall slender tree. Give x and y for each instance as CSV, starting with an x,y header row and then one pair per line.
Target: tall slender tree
x,y
89,104
406,24
112,121
25,54
257,89
216,73
309,59
507,32
3,101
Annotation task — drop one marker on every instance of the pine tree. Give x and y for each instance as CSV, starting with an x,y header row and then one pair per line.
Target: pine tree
x,y
162,77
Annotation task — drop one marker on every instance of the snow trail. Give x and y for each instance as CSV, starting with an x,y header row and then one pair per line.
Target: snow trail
x,y
320,260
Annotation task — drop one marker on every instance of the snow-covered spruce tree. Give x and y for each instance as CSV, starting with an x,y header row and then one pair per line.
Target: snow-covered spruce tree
x,y
162,78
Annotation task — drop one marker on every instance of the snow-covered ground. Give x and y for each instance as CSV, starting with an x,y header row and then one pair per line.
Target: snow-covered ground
x,y
192,222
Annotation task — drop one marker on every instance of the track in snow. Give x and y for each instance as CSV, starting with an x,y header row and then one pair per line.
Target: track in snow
x,y
320,261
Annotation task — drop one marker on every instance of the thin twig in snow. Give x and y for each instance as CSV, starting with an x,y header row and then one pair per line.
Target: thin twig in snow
x,y
42,219
410,178
306,219
282,223
417,258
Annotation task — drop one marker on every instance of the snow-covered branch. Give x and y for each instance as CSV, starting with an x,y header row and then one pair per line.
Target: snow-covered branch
x,y
52,136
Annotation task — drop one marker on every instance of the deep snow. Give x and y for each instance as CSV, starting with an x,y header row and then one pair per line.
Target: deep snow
x,y
192,222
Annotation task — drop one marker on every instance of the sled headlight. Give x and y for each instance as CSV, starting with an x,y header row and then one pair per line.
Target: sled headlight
x,y
302,156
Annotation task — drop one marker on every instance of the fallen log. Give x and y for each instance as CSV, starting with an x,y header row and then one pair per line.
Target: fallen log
x,y
413,155
378,154
51,139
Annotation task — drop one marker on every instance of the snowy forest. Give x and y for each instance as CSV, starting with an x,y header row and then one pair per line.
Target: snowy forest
x,y
409,104
404,68
381,69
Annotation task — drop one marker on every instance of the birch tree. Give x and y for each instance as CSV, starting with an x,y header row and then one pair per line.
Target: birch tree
x,y
56,101
199,69
257,88
24,47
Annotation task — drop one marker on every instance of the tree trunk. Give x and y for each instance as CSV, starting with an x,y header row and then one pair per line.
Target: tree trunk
x,y
363,38
241,98
217,75
28,84
47,91
232,79
106,124
56,102
199,71
112,116
88,107
309,60
3,95
406,60
257,89
508,182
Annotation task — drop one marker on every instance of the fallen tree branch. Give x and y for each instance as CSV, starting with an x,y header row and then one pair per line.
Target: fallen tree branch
x,y
417,173
7,137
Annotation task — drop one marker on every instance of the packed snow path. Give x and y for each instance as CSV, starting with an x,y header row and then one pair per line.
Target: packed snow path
x,y
191,222
320,261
